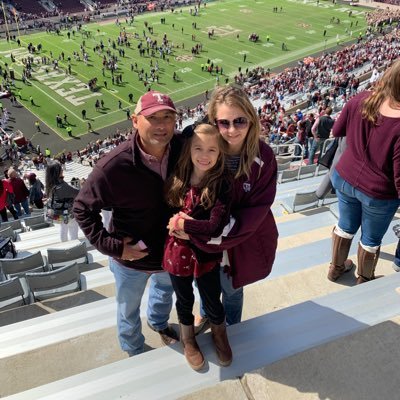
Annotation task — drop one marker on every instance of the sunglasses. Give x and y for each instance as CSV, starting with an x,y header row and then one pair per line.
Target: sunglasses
x,y
238,123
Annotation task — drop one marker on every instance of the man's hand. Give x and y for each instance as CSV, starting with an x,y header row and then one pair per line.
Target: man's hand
x,y
132,252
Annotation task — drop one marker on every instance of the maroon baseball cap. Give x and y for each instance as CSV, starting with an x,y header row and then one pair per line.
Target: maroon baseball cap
x,y
152,102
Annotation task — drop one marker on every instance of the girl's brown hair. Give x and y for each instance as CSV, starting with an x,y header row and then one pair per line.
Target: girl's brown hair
x,y
388,87
179,183
233,96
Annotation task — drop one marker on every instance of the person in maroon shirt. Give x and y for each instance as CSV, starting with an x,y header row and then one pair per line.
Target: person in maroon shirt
x,y
129,181
367,176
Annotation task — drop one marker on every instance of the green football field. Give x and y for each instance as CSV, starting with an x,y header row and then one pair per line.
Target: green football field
x,y
299,24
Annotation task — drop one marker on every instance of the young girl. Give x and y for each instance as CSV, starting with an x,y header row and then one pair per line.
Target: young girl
x,y
200,189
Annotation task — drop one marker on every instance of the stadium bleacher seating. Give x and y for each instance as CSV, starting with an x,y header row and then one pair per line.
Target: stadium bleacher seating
x,y
304,200
12,293
19,266
60,257
8,232
44,285
16,225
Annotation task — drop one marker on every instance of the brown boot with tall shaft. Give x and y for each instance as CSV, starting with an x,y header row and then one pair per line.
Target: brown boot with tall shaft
x,y
191,349
366,264
340,250
222,347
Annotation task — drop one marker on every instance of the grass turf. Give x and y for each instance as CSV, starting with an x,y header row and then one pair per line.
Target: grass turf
x,y
300,24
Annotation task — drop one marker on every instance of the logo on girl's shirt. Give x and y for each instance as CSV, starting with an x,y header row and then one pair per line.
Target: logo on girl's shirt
x,y
246,187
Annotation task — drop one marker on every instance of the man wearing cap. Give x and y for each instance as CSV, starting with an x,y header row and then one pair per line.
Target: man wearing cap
x,y
129,181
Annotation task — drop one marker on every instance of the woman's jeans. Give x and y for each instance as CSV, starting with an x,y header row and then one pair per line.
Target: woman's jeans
x,y
232,300
130,285
357,209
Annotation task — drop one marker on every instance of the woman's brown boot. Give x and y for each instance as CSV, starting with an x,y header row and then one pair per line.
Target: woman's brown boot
x,y
339,264
222,347
191,349
366,264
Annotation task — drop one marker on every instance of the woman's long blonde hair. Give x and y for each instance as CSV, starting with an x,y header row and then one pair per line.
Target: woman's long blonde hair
x,y
237,97
388,87
179,183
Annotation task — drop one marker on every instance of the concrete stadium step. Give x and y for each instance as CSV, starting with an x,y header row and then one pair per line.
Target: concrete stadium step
x,y
308,221
309,248
256,343
45,240
289,188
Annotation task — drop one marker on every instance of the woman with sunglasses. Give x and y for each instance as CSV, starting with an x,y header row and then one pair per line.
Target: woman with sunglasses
x,y
249,241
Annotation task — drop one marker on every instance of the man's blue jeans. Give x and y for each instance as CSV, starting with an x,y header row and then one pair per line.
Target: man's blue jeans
x,y
130,285
25,206
357,209
317,145
232,300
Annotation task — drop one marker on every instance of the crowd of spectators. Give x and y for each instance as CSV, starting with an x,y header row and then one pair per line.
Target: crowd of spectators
x,y
95,149
316,83
16,12
393,2
380,17
313,84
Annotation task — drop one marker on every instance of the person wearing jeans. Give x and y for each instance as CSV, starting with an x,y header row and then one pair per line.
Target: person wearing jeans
x,y
367,176
374,216
21,193
129,183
